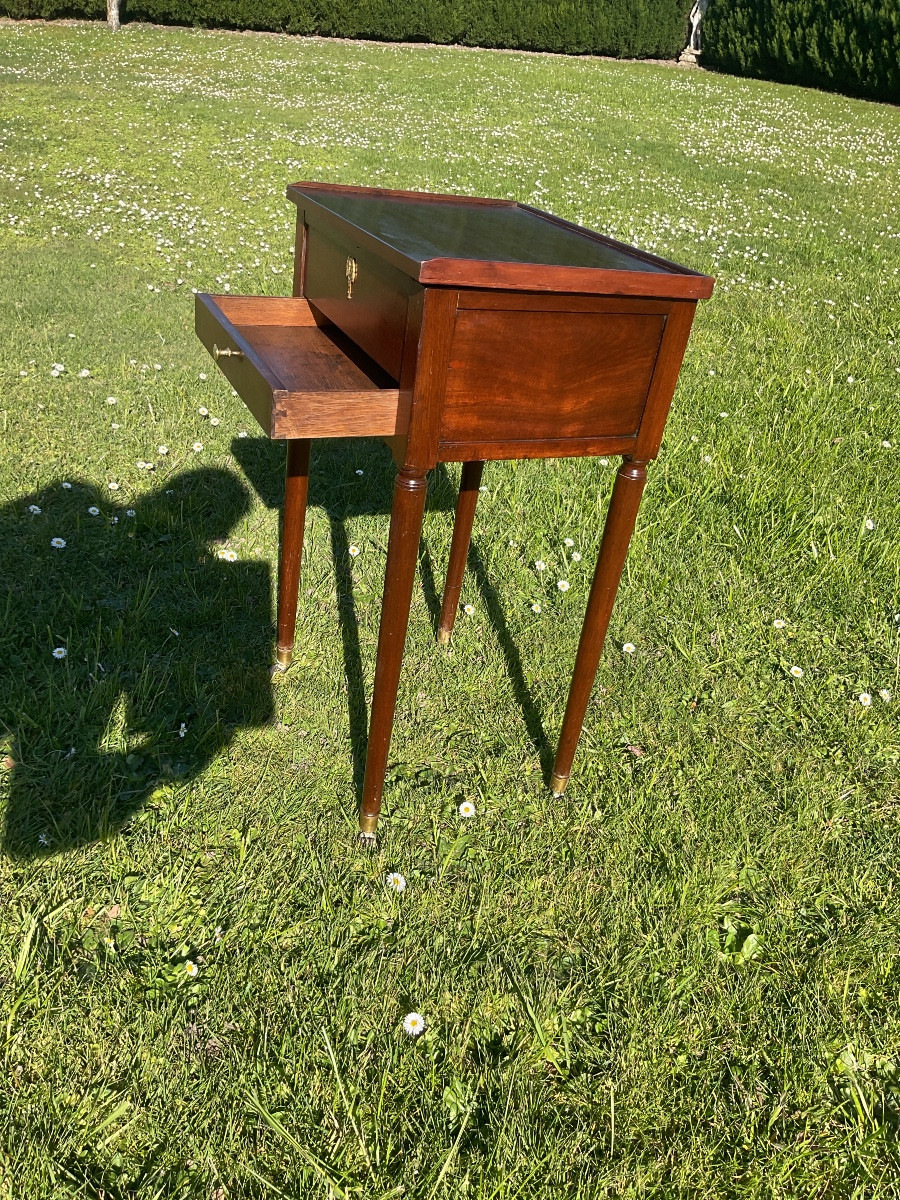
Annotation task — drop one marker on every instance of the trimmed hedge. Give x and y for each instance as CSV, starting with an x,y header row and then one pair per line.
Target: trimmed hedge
x,y
850,46
621,28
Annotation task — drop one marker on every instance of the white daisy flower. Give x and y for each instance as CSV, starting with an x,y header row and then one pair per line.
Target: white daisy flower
x,y
113,487
67,486
629,648
797,672
182,731
466,809
58,543
243,433
870,524
469,610
885,695
202,376
413,1024
540,565
576,557
395,881
112,400
191,969
204,412
886,444
162,450
214,420
604,462
865,699
562,584
84,373
353,551
94,510
778,623
568,542
359,470
34,510
60,652
197,447
535,608
228,555
129,512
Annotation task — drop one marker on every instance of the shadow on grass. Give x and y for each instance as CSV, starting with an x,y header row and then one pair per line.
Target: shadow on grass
x,y
162,651
163,646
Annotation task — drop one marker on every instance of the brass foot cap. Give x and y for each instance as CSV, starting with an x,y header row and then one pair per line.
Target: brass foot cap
x,y
283,658
558,784
443,637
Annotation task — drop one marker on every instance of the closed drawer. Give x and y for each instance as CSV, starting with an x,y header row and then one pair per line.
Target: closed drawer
x,y
298,379
362,295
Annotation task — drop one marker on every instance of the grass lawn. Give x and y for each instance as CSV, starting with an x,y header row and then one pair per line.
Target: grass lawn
x,y
683,979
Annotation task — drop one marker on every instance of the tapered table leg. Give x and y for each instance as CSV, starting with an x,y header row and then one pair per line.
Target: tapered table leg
x,y
623,507
407,512
296,486
459,548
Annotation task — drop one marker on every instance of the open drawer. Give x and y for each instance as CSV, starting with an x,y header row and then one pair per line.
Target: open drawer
x,y
299,379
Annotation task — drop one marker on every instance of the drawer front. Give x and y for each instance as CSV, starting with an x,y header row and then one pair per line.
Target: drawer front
x,y
364,297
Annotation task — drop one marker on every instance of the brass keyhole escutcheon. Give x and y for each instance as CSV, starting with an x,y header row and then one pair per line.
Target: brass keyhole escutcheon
x,y
352,270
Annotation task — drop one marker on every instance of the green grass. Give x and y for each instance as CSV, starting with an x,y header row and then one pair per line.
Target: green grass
x,y
684,979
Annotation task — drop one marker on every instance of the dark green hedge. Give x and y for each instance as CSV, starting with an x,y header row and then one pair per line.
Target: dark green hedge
x,y
623,28
850,46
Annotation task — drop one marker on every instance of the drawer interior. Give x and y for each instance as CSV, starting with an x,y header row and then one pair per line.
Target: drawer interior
x,y
298,378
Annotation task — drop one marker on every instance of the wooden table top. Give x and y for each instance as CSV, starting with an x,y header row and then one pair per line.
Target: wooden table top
x,y
471,241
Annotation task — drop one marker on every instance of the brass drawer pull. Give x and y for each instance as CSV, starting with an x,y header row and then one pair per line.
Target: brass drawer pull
x,y
227,352
352,270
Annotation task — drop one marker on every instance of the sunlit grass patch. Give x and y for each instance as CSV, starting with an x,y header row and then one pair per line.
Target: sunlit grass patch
x,y
682,979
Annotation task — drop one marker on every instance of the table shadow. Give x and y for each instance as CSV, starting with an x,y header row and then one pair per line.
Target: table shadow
x,y
167,651
340,493
337,490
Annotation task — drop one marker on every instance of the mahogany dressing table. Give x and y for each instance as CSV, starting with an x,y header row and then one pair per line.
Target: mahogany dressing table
x,y
462,330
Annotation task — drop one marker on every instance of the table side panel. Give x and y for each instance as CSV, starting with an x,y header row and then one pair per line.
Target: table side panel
x,y
665,378
553,375
374,315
